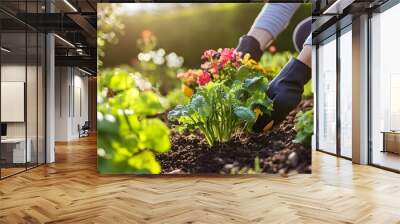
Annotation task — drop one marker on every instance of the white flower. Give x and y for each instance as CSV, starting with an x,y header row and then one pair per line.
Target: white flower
x,y
101,152
144,56
173,60
160,52
110,118
141,83
99,116
158,60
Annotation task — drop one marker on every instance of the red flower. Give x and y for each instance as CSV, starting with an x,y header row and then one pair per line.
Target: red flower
x,y
208,54
204,78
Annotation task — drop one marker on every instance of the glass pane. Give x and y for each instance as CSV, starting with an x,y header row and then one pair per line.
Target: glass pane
x,y
385,84
31,98
13,86
346,94
327,97
41,99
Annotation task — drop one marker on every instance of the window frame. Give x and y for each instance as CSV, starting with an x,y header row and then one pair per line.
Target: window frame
x,y
333,37
378,10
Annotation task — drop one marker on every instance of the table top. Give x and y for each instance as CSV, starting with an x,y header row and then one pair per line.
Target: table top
x,y
13,140
391,132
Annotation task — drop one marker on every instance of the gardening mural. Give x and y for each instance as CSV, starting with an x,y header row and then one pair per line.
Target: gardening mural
x,y
191,88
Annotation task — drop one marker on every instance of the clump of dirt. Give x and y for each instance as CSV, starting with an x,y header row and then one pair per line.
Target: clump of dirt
x,y
191,154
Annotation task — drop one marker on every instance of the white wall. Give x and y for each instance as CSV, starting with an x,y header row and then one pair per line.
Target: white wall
x,y
71,94
62,81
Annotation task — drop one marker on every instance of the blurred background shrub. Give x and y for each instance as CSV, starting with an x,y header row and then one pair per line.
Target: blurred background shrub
x,y
188,29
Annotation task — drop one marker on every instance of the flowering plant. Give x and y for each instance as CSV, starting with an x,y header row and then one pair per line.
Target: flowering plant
x,y
218,65
230,92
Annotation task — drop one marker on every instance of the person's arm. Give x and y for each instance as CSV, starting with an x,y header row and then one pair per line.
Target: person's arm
x,y
306,54
269,23
287,88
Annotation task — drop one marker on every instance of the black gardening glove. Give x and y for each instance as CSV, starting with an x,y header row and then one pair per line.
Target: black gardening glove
x,y
285,90
249,44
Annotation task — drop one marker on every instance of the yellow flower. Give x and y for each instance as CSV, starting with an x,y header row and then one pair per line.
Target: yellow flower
x,y
246,58
258,112
252,64
187,90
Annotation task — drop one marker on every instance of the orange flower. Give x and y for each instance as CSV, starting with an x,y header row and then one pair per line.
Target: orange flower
x,y
189,77
147,35
187,90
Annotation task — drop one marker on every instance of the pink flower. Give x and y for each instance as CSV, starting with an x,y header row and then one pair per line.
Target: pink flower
x,y
227,54
208,54
214,70
204,78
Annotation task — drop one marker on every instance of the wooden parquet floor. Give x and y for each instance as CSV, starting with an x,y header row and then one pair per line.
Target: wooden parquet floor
x,y
70,191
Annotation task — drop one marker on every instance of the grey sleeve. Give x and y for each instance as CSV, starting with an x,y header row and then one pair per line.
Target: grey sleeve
x,y
274,17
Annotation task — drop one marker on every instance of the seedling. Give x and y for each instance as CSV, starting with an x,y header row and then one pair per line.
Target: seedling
x,y
304,127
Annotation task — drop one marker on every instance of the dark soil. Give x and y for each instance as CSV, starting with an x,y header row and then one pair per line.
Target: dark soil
x,y
191,154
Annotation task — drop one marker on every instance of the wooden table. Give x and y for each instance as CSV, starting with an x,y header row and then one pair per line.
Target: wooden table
x,y
391,141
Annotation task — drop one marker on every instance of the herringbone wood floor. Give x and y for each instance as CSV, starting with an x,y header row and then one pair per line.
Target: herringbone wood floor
x,y
70,191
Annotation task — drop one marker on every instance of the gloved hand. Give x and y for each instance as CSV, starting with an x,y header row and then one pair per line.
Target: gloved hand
x,y
285,90
249,44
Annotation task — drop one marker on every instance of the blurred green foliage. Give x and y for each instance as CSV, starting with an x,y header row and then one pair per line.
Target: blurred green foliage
x,y
176,97
128,134
189,31
274,62
127,138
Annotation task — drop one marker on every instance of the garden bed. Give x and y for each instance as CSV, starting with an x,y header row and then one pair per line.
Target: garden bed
x,y
191,154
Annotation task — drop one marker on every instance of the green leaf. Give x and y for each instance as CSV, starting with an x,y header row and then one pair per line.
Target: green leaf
x,y
121,80
148,103
200,105
178,112
244,113
154,135
242,73
197,102
304,126
145,162
252,81
257,83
